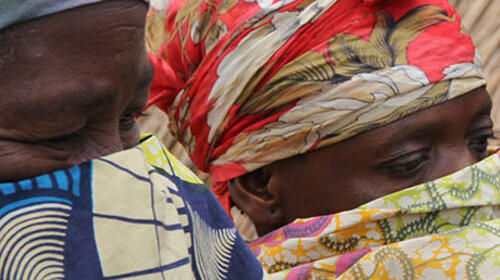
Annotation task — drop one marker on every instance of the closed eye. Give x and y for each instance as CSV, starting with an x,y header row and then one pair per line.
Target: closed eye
x,y
478,134
479,142
406,165
60,142
66,138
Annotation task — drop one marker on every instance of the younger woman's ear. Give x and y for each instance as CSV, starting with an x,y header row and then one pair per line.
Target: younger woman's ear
x,y
254,195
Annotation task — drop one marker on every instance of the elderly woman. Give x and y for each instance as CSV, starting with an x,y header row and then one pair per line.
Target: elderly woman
x,y
373,110
73,205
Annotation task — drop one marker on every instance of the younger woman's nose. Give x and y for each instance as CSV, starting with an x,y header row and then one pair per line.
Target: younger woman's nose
x,y
456,158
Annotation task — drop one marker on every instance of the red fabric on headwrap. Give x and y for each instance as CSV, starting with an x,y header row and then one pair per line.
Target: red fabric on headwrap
x,y
165,84
221,191
247,83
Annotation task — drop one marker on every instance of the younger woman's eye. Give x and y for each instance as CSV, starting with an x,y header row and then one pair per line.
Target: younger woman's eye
x,y
479,144
408,164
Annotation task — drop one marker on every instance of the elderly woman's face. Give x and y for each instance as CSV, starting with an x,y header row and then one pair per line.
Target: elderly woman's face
x,y
422,147
70,85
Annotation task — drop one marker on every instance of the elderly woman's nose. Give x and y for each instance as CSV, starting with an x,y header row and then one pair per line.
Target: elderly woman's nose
x,y
459,157
114,143
98,147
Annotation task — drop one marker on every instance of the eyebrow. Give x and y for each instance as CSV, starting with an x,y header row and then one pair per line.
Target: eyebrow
x,y
485,109
399,142
402,138
480,120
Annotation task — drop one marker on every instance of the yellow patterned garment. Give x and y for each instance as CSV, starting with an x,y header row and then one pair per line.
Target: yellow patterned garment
x,y
118,217
444,229
157,155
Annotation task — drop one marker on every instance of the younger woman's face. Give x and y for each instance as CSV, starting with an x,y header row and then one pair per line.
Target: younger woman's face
x,y
419,148
422,147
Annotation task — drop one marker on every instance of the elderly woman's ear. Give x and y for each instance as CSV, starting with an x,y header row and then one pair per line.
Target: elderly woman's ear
x,y
258,195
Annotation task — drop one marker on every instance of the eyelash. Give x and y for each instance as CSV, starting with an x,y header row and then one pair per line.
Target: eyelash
x,y
411,163
480,143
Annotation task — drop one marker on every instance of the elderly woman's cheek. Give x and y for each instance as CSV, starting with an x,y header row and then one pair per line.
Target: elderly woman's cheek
x,y
35,159
130,137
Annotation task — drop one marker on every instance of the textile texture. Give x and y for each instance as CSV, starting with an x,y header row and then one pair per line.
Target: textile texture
x,y
444,229
247,83
119,217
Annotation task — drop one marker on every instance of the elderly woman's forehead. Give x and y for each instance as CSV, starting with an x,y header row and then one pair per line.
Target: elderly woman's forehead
x,y
65,27
14,12
28,39
70,57
77,36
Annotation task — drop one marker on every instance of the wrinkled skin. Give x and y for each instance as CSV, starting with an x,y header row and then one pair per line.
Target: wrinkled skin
x,y
70,85
424,146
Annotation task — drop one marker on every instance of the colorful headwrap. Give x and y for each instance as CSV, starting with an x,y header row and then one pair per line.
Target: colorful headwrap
x,y
17,11
250,82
